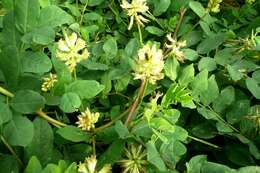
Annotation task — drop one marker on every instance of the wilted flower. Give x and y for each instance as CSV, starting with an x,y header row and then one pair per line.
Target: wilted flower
x,y
213,6
135,160
68,50
87,120
175,47
89,166
133,10
49,82
149,64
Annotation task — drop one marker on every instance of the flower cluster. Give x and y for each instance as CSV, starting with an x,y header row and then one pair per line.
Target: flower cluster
x,y
213,6
133,10
49,82
175,47
135,161
68,50
89,166
149,64
87,120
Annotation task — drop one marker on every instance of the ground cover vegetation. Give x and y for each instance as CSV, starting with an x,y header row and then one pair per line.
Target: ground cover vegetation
x,y
132,86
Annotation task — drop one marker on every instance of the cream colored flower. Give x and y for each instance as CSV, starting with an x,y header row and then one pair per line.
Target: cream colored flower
x,y
49,82
68,50
134,10
213,6
89,166
149,64
135,161
87,120
175,47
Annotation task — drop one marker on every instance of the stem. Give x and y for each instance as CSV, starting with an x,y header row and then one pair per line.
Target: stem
x,y
82,14
12,151
111,122
6,92
136,102
50,120
204,142
140,34
182,13
94,145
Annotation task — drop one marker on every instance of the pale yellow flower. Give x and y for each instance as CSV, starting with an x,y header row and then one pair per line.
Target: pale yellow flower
x,y
213,6
149,64
134,10
49,82
175,47
89,166
68,50
87,120
135,161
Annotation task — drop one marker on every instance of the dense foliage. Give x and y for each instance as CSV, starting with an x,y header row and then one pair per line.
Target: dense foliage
x,y
157,86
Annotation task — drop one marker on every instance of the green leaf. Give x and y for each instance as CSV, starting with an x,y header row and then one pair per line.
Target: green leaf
x,y
35,62
171,68
154,30
27,101
207,63
153,156
10,65
256,76
190,54
53,16
187,75
160,6
121,130
253,87
110,48
33,166
194,165
237,111
26,14
86,89
226,97
70,102
43,137
211,93
197,8
161,124
208,114
5,113
19,131
211,43
234,74
210,167
200,83
251,169
74,134
94,2
112,154
8,163
43,36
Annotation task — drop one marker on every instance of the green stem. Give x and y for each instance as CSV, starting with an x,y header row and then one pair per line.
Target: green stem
x,y
136,102
111,122
82,14
140,34
12,151
204,142
6,92
94,145
50,120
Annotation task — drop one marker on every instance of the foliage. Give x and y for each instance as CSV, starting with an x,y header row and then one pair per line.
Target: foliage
x,y
161,86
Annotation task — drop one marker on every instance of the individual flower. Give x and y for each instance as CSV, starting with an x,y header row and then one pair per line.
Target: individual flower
x,y
49,82
135,161
213,6
89,166
72,50
175,47
134,10
149,64
87,120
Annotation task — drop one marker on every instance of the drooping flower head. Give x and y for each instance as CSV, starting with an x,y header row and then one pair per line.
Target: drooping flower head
x,y
68,50
134,10
87,120
175,48
135,161
213,6
149,64
89,166
49,82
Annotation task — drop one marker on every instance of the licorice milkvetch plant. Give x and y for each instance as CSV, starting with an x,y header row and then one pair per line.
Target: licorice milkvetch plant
x,y
131,86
